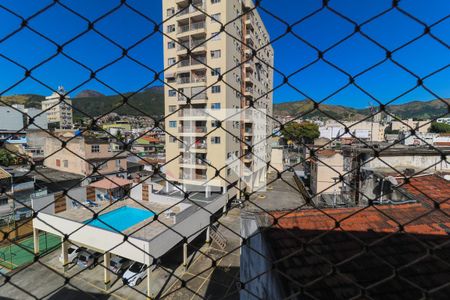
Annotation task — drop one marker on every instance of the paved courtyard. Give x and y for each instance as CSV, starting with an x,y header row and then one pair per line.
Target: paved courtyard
x,y
200,280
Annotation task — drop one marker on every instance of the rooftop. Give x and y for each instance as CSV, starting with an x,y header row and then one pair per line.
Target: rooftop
x,y
341,253
145,230
110,183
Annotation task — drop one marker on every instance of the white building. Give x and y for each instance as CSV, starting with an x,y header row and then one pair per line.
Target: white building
x,y
17,118
370,131
58,108
10,119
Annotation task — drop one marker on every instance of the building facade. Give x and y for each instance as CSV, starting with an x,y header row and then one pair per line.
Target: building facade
x,y
82,154
213,70
58,108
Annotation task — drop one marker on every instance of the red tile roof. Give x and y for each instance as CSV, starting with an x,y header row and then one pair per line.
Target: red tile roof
x,y
427,188
110,183
150,139
306,245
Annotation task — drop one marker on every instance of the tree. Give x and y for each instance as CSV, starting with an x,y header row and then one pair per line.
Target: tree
x,y
439,128
6,158
299,133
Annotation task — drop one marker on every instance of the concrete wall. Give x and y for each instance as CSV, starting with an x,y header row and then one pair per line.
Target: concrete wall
x,y
136,192
10,119
419,161
44,204
254,268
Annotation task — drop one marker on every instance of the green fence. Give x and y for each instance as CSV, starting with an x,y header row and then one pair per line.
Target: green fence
x,y
16,255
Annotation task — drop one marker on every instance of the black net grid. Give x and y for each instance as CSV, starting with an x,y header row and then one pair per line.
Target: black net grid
x,y
360,243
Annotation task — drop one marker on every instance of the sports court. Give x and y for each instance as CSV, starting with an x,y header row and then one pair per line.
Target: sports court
x,y
16,255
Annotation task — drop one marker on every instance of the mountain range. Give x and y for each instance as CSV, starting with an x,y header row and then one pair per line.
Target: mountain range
x,y
89,103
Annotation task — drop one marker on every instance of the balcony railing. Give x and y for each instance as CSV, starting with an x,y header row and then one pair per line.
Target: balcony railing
x,y
182,80
197,129
192,27
192,161
191,113
184,63
198,79
191,8
192,62
190,176
195,43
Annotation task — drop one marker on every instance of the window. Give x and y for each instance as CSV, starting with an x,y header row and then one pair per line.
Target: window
x,y
215,106
215,72
65,163
172,108
215,54
215,36
215,17
172,139
3,201
170,11
215,124
95,148
58,163
228,172
172,93
215,1
171,45
117,163
170,28
215,89
172,124
215,140
171,61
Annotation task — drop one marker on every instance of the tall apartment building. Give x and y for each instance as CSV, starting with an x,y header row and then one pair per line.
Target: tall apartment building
x,y
59,112
196,55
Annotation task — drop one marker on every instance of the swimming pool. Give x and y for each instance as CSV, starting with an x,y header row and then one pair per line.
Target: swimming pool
x,y
120,219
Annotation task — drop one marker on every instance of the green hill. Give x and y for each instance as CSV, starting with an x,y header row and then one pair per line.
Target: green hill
x,y
151,102
414,109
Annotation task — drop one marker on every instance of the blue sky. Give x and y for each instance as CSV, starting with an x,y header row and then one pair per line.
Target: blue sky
x,y
319,81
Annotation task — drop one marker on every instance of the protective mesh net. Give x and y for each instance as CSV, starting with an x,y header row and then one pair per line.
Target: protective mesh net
x,y
349,216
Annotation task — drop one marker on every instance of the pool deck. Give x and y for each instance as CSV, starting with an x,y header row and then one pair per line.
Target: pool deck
x,y
146,229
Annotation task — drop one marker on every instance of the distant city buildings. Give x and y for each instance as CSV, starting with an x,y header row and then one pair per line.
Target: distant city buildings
x,y
59,109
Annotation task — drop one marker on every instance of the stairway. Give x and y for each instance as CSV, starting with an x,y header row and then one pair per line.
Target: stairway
x,y
217,237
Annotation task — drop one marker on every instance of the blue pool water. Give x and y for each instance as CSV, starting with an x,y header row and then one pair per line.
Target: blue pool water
x,y
120,219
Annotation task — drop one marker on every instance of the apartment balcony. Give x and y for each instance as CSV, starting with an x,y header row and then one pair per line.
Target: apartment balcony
x,y
193,162
248,91
249,66
249,78
187,80
194,45
192,10
193,63
192,113
192,130
193,175
197,93
193,28
200,147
